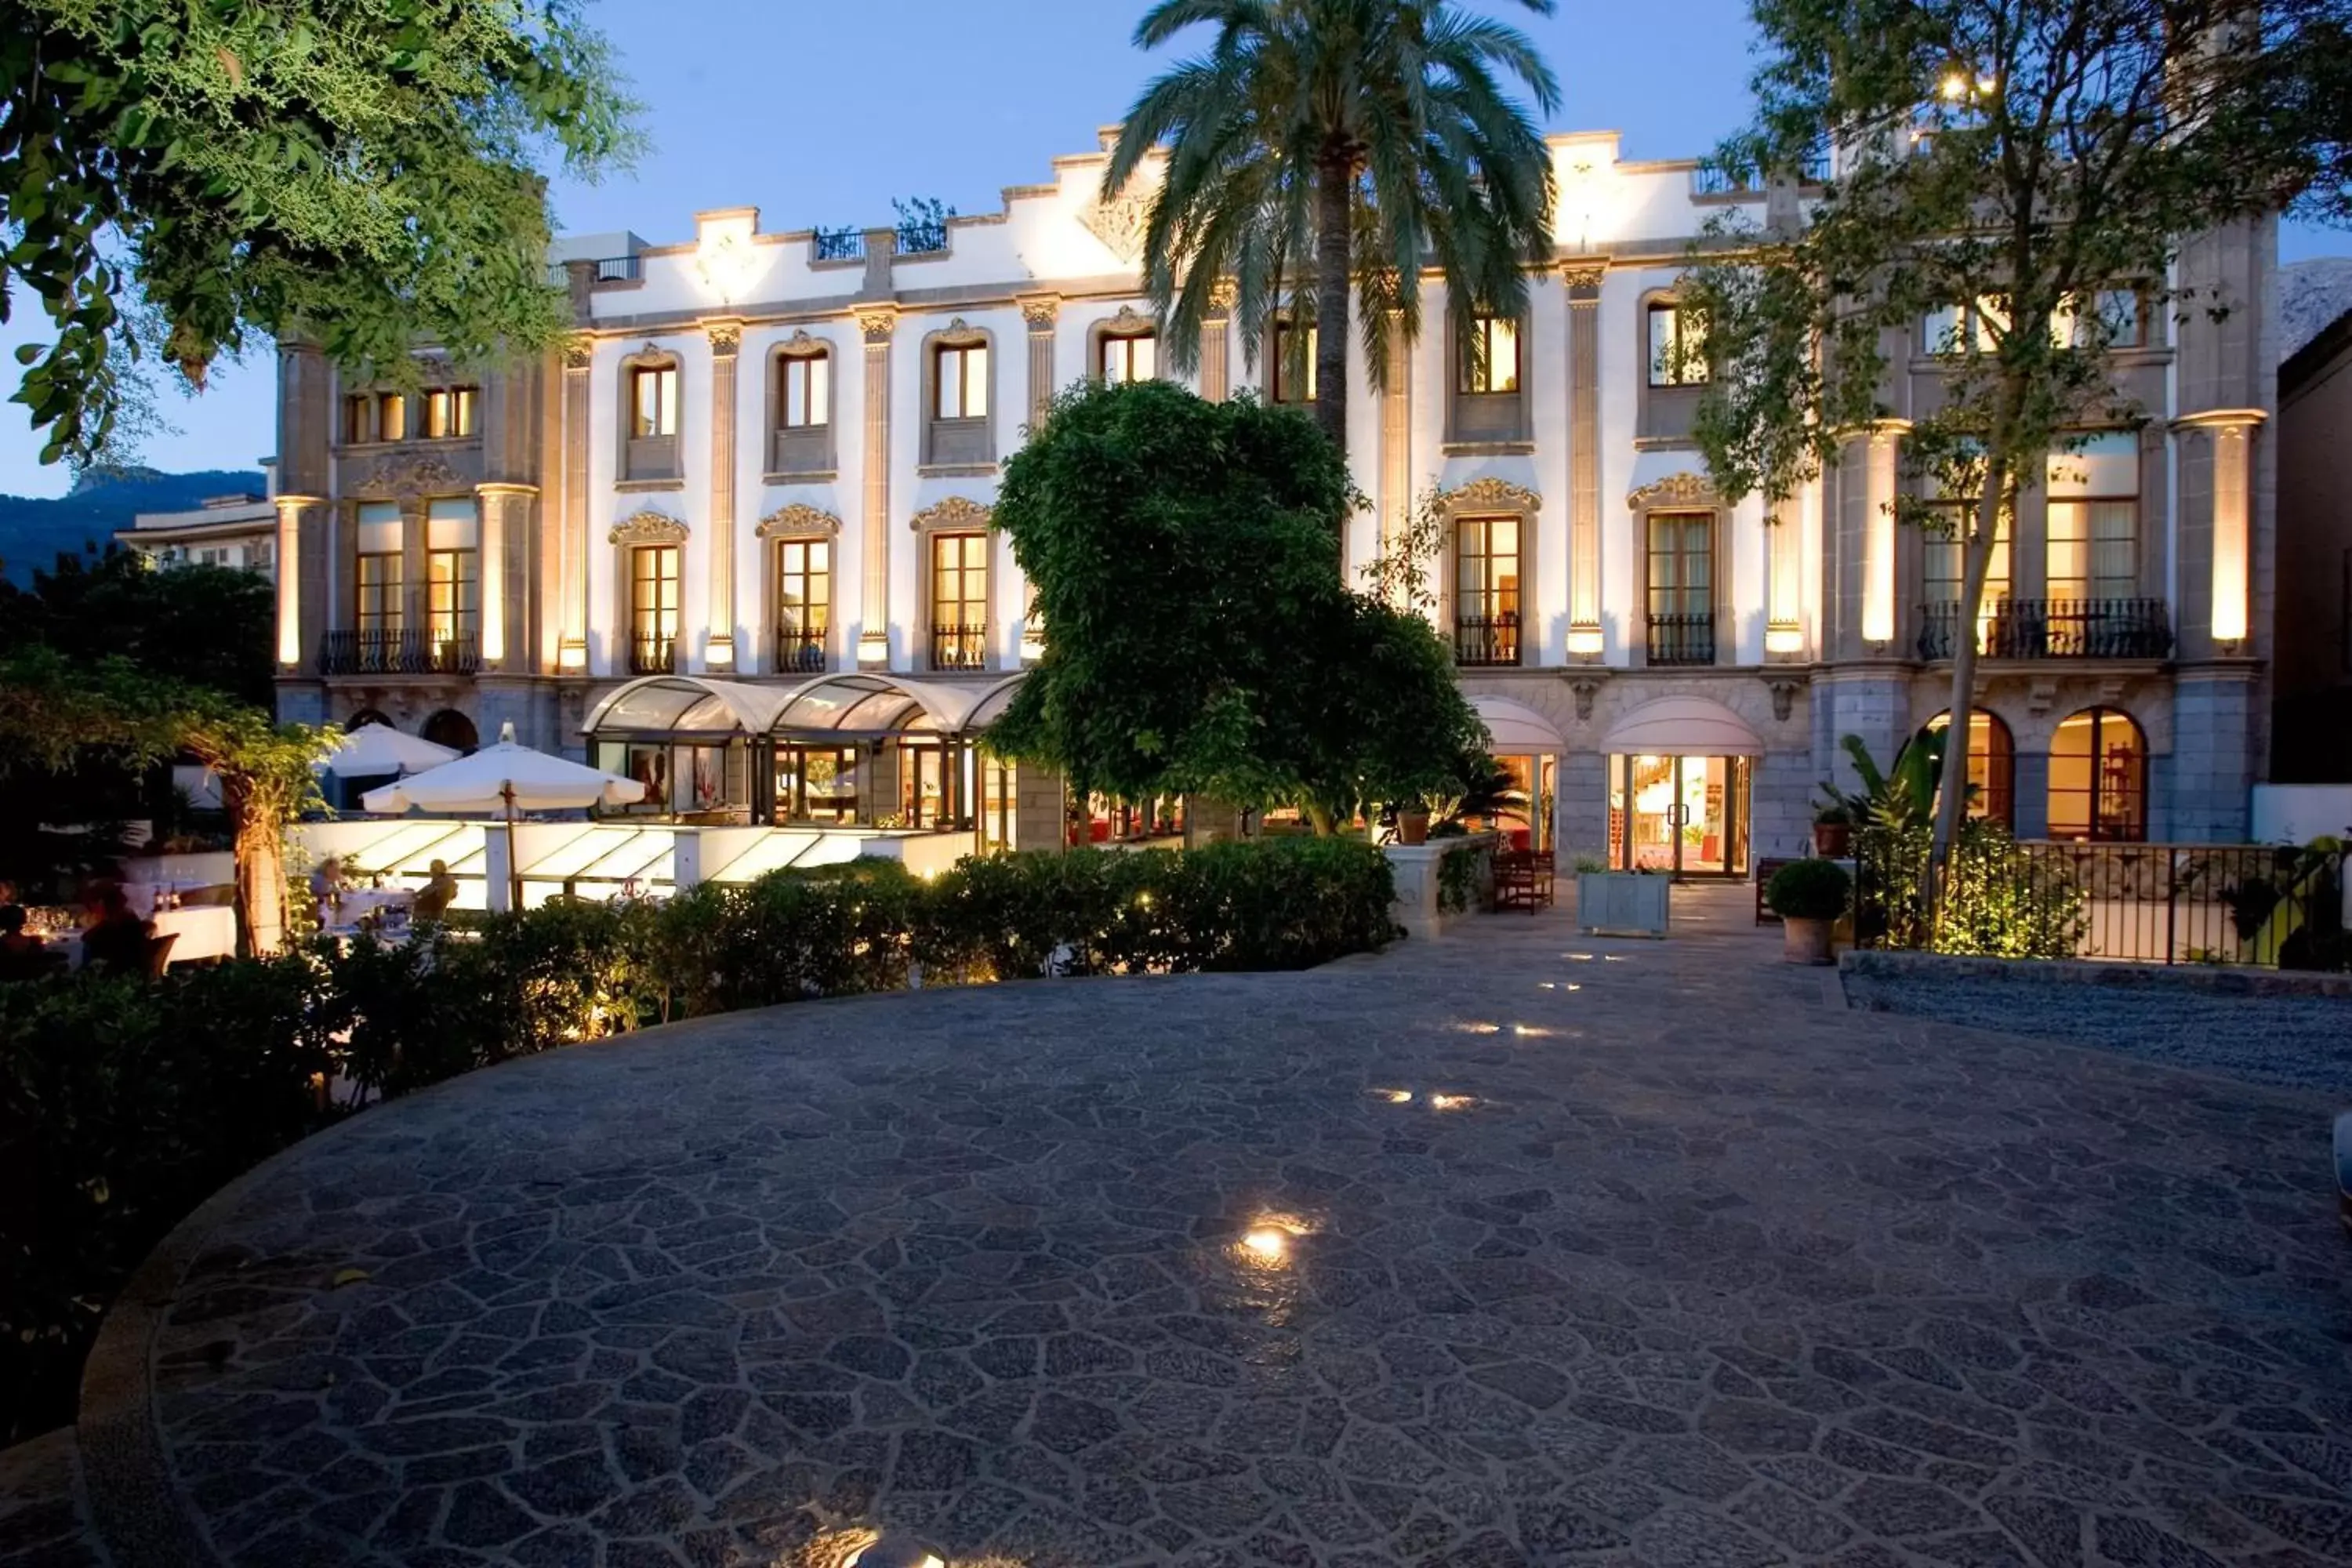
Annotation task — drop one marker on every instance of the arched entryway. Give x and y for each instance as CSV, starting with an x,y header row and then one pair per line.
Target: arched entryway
x,y
1680,770
1992,764
452,728
2098,777
1527,747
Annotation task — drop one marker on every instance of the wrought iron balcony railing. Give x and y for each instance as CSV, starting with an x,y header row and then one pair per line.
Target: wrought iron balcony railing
x,y
379,650
1486,639
2052,628
1682,639
651,653
956,647
800,650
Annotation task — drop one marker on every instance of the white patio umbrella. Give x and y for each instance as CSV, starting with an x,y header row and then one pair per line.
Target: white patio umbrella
x,y
509,776
374,750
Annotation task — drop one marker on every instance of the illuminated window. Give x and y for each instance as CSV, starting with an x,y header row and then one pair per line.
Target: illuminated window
x,y
1487,590
449,413
1976,329
1294,363
391,417
1130,357
359,419
1681,587
453,584
960,391
803,603
2093,528
804,394
653,402
1677,340
653,609
1992,765
2098,777
959,601
1490,356
2118,319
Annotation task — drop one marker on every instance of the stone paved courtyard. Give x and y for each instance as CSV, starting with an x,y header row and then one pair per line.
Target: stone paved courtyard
x,y
1515,1249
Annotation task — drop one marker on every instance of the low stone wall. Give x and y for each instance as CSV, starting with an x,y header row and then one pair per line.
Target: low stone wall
x,y
2211,979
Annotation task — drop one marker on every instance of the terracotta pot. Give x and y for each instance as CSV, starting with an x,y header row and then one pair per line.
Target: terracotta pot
x,y
1806,942
1830,839
1413,826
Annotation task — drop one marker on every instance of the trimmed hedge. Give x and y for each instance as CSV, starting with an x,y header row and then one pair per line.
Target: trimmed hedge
x,y
124,1104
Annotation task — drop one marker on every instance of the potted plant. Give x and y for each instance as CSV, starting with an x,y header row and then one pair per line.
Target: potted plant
x,y
1412,822
1809,896
1832,829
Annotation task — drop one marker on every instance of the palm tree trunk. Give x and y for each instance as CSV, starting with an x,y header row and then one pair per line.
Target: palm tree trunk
x,y
1952,788
1334,212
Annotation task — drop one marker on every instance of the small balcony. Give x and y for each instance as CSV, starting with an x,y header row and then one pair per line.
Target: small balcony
x,y
2052,628
1682,639
959,646
395,651
651,653
800,650
1486,639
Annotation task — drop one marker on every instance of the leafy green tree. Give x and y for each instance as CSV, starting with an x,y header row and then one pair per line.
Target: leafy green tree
x,y
206,625
2006,161
1322,143
363,172
1196,641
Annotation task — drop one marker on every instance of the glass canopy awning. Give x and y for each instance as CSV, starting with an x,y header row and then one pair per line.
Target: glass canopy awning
x,y
694,707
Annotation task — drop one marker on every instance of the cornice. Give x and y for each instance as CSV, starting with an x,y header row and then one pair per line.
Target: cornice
x,y
1491,494
2221,419
647,527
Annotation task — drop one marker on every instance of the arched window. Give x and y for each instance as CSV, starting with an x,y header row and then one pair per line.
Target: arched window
x,y
452,728
2098,777
1992,765
365,716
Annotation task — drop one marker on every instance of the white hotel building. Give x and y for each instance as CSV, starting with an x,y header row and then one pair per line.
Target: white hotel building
x,y
753,500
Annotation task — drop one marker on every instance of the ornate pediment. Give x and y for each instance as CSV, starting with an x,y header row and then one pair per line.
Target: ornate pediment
x,y
799,344
1685,489
649,527
955,514
407,477
798,520
1121,222
1491,494
1129,319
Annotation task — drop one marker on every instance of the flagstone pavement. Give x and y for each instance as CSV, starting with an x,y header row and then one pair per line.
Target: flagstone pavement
x,y
1513,1247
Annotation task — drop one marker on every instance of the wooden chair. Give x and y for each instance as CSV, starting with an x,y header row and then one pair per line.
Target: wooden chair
x,y
159,954
1523,880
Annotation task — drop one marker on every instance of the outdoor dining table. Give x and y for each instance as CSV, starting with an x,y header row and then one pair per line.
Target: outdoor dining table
x,y
206,930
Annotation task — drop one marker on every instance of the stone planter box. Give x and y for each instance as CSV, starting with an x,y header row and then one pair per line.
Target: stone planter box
x,y
1623,903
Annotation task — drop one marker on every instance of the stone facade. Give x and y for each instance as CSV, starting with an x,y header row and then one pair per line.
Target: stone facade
x,y
880,387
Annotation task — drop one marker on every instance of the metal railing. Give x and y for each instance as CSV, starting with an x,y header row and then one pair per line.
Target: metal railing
x,y
922,238
2052,628
396,651
800,650
837,244
1486,639
1682,639
2258,905
959,646
653,655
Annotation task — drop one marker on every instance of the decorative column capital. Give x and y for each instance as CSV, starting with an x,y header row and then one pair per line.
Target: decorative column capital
x,y
1040,311
577,352
2221,419
501,488
726,336
1584,275
1223,295
878,322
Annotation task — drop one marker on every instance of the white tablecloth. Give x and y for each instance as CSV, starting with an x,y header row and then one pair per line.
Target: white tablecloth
x,y
206,930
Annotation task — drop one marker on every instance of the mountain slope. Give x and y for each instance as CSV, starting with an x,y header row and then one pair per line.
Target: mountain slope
x,y
34,528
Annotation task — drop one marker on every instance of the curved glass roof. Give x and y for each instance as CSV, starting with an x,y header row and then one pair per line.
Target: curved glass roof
x,y
873,704
686,705
691,707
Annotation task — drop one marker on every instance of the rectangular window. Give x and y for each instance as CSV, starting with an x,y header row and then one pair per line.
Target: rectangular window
x,y
359,419
1132,358
377,609
1978,330
803,603
449,413
1677,340
452,580
961,392
1490,357
1487,590
653,608
653,402
391,417
959,601
2093,529
1945,564
2118,316
1294,363
1681,587
806,395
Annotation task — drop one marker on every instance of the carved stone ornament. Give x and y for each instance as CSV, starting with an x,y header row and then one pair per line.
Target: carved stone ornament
x,y
648,528
1128,320
1120,223
1586,690
1583,274
955,514
1491,494
1784,698
1223,295
798,520
960,331
877,325
2040,695
1685,489
407,478
1040,314
577,352
726,337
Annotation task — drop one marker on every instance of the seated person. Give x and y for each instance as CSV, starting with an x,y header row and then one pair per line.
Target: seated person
x,y
22,956
111,935
328,885
440,890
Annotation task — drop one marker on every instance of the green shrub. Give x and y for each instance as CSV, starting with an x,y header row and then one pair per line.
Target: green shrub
x,y
1809,890
1998,901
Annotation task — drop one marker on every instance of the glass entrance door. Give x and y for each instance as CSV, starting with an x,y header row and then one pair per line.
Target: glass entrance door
x,y
1687,816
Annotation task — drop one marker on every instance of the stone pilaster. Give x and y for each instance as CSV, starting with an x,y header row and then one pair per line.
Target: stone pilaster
x,y
1040,314
2216,537
1584,635
2215,718
505,516
294,650
1784,610
571,539
1396,437
1040,810
1880,617
1216,343
876,323
719,644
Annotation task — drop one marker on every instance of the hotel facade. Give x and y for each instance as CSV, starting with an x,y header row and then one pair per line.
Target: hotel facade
x,y
736,539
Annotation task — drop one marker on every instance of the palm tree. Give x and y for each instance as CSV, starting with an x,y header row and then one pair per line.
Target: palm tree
x,y
1320,143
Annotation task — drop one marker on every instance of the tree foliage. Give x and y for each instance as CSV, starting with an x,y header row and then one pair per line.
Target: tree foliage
x,y
1320,143
363,172
1196,641
207,625
2006,161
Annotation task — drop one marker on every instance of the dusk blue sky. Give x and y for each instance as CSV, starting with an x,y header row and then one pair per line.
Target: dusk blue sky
x,y
821,112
